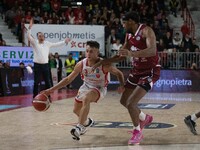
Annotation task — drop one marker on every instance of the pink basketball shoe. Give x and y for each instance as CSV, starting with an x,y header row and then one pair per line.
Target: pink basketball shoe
x,y
137,137
148,120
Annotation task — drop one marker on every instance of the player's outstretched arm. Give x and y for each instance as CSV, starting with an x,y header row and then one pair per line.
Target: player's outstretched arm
x,y
108,61
67,80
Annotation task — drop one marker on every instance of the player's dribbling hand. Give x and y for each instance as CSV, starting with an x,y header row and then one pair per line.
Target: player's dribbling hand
x,y
46,92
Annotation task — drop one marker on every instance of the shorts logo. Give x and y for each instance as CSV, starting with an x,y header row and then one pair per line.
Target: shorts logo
x,y
137,38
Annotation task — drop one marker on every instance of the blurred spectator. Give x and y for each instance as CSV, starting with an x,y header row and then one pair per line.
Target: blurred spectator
x,y
194,47
2,8
59,66
167,39
160,45
79,19
185,29
71,18
36,17
70,62
1,64
79,10
116,46
46,6
62,18
9,17
193,66
17,22
177,40
186,43
22,65
142,6
45,17
52,64
55,6
52,61
54,17
2,41
67,13
28,17
173,4
144,16
111,40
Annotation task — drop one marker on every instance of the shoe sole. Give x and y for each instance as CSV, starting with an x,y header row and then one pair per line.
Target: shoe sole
x,y
190,126
74,136
138,143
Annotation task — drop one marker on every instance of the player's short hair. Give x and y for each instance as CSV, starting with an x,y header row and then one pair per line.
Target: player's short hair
x,y
131,15
94,44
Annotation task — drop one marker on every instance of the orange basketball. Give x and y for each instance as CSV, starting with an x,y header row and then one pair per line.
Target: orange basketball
x,y
41,102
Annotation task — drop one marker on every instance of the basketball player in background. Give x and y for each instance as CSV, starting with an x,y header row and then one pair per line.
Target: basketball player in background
x,y
190,122
140,43
93,89
41,49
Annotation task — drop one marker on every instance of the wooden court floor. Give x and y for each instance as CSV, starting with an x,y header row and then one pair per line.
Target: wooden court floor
x,y
26,129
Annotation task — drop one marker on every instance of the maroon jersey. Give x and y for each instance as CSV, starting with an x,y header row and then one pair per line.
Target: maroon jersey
x,y
141,65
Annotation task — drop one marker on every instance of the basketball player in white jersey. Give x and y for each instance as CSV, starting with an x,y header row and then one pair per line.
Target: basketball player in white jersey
x,y
93,89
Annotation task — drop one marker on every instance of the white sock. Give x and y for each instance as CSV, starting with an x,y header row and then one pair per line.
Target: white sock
x,y
86,122
193,117
137,128
142,116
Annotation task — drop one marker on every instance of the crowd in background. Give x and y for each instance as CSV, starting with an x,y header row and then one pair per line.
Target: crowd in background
x,y
104,12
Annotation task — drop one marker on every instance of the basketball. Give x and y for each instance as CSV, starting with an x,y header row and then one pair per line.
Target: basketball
x,y
41,102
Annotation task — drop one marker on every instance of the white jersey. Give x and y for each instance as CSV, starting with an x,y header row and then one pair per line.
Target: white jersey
x,y
97,79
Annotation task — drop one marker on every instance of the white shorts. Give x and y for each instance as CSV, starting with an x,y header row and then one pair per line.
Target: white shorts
x,y
84,89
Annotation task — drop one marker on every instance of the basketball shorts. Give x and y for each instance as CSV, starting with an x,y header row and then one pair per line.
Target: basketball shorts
x,y
143,81
85,88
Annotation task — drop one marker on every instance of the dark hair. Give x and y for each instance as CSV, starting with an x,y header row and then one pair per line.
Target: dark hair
x,y
131,15
94,44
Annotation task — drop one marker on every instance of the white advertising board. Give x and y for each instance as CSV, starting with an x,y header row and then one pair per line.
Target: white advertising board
x,y
79,35
15,55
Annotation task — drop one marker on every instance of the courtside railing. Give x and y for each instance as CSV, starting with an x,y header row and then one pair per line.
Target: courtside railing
x,y
171,60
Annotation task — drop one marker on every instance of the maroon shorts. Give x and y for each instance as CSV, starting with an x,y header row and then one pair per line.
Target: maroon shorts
x,y
145,81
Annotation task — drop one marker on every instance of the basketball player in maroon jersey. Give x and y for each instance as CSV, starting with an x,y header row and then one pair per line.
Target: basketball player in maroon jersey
x,y
140,43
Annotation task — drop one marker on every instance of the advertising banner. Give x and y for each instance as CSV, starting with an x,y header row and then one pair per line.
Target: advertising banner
x,y
15,55
78,34
170,81
17,81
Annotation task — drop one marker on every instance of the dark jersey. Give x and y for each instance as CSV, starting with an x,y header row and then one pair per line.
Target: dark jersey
x,y
141,65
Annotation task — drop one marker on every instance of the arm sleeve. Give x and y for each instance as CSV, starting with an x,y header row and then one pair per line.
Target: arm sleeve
x,y
57,44
30,37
